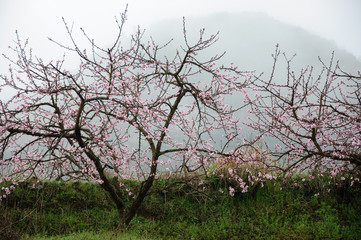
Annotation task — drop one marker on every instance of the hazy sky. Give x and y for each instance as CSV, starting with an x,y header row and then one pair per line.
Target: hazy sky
x,y
337,20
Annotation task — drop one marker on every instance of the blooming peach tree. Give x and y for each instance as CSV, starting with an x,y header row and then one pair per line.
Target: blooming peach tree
x,y
124,113
315,120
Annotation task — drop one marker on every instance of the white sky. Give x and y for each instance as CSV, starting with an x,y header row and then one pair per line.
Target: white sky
x,y
337,20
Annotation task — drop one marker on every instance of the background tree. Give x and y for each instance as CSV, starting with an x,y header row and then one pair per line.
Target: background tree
x,y
316,120
84,124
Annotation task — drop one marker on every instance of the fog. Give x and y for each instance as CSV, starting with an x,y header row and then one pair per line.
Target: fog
x,y
248,38
248,29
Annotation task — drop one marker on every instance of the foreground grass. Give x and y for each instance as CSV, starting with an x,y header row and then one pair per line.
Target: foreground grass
x,y
110,235
83,211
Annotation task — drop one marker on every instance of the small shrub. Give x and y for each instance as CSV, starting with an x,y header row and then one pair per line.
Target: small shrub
x,y
245,173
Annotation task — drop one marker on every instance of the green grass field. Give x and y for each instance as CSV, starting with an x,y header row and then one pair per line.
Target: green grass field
x,y
83,211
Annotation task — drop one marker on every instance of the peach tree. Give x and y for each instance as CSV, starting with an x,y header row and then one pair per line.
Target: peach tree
x,y
125,112
314,120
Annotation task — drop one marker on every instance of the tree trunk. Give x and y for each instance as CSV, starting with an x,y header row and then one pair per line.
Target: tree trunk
x,y
136,204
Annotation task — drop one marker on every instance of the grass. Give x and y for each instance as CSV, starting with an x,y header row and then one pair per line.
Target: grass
x,y
83,211
88,235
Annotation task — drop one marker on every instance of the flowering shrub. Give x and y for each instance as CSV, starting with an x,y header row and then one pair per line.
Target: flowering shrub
x,y
245,169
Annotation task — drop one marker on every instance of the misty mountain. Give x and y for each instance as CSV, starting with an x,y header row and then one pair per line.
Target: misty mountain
x,y
249,39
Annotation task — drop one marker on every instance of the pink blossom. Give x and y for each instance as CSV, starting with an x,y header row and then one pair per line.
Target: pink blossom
x,y
231,191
